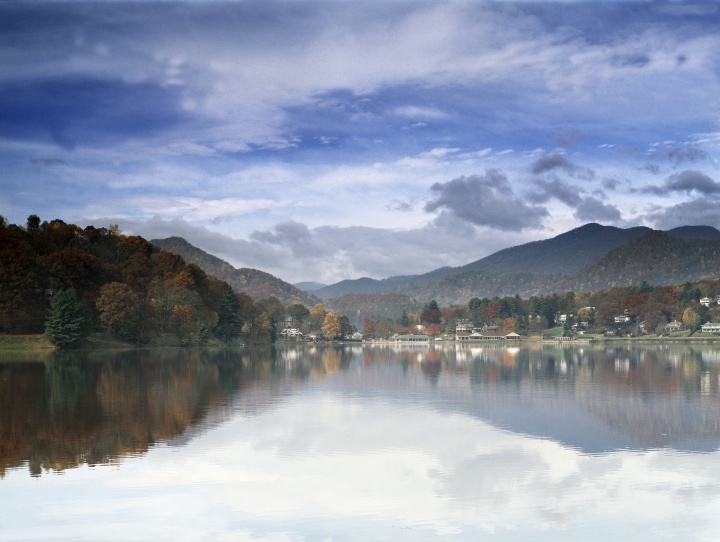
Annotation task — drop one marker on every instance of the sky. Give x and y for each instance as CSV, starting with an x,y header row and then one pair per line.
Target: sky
x,y
330,140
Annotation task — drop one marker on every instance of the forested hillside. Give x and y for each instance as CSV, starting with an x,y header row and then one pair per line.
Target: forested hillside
x,y
589,258
657,258
373,306
257,284
97,279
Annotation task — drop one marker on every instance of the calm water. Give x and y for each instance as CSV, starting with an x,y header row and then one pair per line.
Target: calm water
x,y
362,443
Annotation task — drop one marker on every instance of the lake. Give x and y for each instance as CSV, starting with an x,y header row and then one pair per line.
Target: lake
x,y
532,442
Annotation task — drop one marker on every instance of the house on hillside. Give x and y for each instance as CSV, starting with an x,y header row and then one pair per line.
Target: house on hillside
x,y
711,327
463,327
622,319
674,326
705,301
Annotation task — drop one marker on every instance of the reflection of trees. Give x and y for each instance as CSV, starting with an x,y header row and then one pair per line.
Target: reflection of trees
x,y
80,408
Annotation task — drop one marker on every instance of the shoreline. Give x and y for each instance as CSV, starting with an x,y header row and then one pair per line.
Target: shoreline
x,y
39,343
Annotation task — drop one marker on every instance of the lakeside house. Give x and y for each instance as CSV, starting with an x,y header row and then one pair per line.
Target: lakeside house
x,y
410,338
674,326
711,327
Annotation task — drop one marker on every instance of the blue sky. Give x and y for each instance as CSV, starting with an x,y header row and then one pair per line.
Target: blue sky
x,y
340,139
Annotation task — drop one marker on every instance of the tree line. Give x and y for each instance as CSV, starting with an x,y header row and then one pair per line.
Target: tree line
x,y
641,309
70,282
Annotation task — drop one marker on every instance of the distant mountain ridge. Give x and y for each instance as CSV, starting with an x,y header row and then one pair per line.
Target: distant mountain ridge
x,y
589,258
253,282
568,252
585,258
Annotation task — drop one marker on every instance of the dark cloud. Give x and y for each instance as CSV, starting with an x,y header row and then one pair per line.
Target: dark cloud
x,y
631,61
559,189
697,211
610,184
652,168
553,162
679,155
692,180
593,210
687,181
486,200
397,205
568,138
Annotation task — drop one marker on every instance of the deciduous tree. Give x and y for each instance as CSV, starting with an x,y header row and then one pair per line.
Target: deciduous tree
x,y
331,327
119,311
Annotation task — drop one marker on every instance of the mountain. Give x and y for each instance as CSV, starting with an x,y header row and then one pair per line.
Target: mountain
x,y
374,306
591,257
257,284
660,258
367,285
309,286
568,252
695,232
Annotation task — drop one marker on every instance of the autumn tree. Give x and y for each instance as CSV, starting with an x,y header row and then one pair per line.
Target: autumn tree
x,y
368,327
260,329
317,316
433,330
186,326
508,325
65,325
384,328
120,311
431,313
331,327
691,319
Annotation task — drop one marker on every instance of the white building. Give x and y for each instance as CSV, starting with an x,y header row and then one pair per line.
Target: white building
x,y
711,327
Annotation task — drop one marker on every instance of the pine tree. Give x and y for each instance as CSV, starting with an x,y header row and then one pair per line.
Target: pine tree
x,y
65,325
229,324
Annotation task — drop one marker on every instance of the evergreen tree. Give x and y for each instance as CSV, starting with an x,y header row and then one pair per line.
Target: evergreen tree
x,y
229,324
65,325
404,320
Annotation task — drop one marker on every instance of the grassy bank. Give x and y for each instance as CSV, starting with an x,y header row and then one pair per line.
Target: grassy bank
x,y
25,342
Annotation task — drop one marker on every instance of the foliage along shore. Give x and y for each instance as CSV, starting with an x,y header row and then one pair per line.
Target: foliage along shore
x,y
73,284
93,286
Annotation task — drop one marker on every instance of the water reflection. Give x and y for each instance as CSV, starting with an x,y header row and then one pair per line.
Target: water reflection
x,y
363,443
91,409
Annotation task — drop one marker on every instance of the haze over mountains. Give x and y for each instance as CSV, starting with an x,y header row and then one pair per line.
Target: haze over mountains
x,y
257,284
589,258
